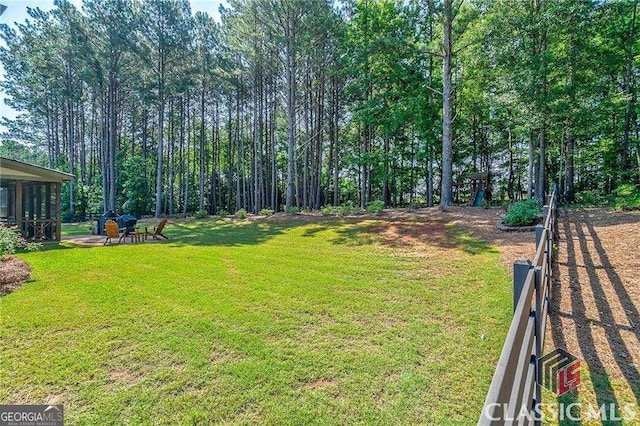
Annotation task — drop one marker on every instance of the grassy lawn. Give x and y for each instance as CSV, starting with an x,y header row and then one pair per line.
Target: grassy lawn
x,y
260,321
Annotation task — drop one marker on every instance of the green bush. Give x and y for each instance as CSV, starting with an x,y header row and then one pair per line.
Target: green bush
x,y
201,214
223,212
375,207
350,208
330,210
588,198
11,241
242,214
626,197
522,213
266,212
292,210
626,190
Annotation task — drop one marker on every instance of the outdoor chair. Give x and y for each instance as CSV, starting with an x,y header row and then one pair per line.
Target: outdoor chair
x,y
157,231
112,231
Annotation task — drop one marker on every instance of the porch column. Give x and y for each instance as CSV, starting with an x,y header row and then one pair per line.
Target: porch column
x,y
58,212
18,206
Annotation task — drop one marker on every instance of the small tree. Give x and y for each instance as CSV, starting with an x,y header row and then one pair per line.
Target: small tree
x,y
135,187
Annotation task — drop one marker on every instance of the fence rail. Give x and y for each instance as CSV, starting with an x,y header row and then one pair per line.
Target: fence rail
x,y
515,389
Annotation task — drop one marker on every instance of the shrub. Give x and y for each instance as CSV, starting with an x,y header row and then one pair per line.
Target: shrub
x,y
201,214
11,241
626,197
330,210
626,190
375,207
522,213
292,210
350,208
588,198
223,212
266,212
242,214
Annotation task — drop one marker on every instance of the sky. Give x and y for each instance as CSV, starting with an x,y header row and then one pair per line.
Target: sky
x,y
17,12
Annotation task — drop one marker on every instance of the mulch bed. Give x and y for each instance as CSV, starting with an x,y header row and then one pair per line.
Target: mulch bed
x,y
13,273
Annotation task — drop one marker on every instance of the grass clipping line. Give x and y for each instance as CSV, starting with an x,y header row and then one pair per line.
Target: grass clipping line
x,y
13,273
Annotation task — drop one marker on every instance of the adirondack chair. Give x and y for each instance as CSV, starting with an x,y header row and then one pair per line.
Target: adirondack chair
x,y
112,231
157,231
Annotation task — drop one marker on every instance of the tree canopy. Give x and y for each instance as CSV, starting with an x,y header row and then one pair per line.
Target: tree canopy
x,y
291,104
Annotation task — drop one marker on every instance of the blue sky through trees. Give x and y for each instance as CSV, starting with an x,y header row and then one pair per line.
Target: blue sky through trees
x,y
17,12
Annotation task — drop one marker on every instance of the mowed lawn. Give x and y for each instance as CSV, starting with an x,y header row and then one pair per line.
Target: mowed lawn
x,y
280,322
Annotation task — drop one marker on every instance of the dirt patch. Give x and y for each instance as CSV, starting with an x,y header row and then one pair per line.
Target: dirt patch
x,y
13,273
595,305
479,223
411,233
322,383
410,227
121,375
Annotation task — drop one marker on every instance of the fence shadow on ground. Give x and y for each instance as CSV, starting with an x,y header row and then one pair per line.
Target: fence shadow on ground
x,y
593,259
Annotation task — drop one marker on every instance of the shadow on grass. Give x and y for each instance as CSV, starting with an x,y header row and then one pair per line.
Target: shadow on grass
x,y
61,245
403,234
394,233
224,233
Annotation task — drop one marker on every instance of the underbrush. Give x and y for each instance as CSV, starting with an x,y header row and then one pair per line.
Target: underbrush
x,y
624,197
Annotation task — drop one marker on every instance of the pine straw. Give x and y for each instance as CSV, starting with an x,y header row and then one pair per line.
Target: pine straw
x,y
479,223
13,273
596,302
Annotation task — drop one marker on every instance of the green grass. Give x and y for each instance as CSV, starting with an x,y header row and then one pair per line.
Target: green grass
x,y
242,322
81,228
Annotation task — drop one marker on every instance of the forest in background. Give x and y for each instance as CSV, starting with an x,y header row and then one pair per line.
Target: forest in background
x,y
296,104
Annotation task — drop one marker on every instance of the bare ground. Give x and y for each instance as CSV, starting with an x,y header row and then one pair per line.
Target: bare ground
x,y
479,223
596,301
429,226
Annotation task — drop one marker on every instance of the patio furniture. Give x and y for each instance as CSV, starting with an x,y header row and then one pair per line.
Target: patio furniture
x,y
157,231
112,231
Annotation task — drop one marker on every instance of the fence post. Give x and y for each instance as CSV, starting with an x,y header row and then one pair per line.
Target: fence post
x,y
540,281
539,234
520,271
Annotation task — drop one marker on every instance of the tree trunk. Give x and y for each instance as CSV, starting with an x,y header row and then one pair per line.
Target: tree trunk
x,y
158,209
202,156
291,108
447,112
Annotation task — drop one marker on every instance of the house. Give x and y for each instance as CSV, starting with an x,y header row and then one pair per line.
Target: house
x,y
30,198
